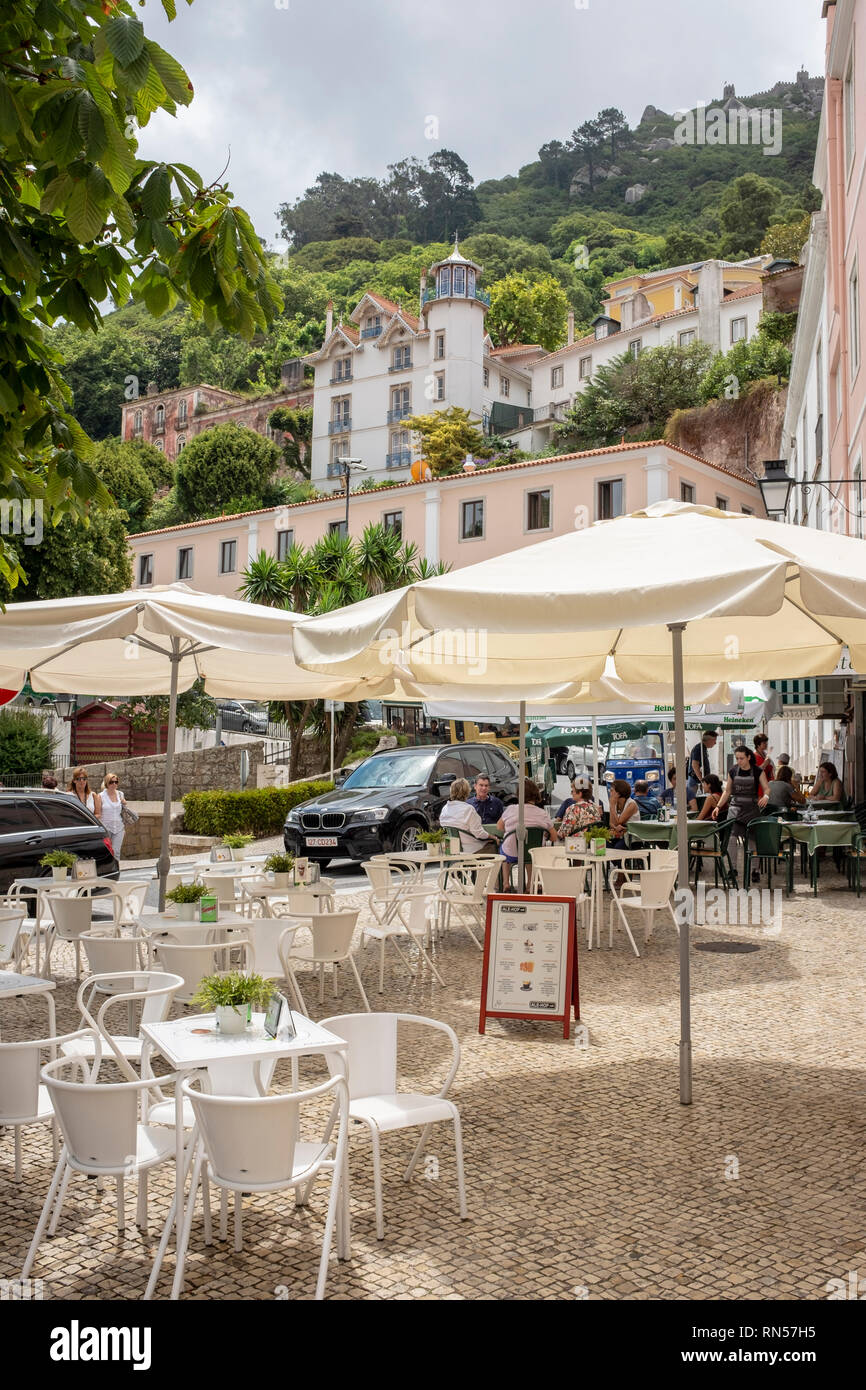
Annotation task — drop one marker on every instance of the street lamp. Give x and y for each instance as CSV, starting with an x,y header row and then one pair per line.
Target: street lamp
x,y
348,465
66,707
776,487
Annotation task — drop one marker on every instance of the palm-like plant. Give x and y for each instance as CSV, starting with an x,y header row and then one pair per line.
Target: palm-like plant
x,y
264,581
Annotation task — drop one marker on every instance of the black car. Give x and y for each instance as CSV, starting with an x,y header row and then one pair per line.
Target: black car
x,y
243,716
32,823
389,798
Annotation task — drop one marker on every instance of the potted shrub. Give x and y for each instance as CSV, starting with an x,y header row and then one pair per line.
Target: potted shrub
x,y
280,865
232,997
185,898
59,861
237,844
428,841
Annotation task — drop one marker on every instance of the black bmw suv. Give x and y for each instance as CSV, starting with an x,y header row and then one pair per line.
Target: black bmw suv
x,y
389,798
33,822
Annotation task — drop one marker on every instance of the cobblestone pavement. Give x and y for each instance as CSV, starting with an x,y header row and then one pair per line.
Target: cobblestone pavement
x,y
585,1176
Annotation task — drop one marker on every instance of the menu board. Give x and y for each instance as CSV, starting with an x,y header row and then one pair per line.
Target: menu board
x,y
530,962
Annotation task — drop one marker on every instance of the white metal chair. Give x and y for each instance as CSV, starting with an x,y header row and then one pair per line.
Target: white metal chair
x,y
373,1096
23,1101
544,856
392,887
125,898
466,893
330,944
101,1138
664,859
563,881
253,1144
194,961
223,885
647,891
72,917
153,989
13,937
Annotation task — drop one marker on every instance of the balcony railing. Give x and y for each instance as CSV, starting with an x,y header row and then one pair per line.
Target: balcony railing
x,y
401,459
374,332
341,426
400,367
338,380
481,295
400,412
159,426
181,422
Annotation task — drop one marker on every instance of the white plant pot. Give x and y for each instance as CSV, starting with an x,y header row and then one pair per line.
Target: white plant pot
x,y
187,912
281,880
231,1018
59,875
238,854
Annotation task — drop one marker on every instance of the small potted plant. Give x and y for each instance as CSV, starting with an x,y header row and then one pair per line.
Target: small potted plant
x,y
280,865
59,861
232,997
237,844
598,838
428,841
186,898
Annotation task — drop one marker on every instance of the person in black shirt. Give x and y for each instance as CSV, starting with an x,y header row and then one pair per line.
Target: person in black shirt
x,y
699,763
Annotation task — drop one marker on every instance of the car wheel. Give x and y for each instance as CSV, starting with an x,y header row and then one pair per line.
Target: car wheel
x,y
407,837
246,727
569,769
560,765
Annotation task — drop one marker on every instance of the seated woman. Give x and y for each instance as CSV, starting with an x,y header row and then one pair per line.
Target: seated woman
x,y
712,785
458,815
534,814
782,793
828,787
582,812
622,808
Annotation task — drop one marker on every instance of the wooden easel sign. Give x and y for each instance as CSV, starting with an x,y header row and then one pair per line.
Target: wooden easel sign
x,y
530,960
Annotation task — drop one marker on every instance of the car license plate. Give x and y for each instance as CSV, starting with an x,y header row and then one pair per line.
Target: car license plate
x,y
321,842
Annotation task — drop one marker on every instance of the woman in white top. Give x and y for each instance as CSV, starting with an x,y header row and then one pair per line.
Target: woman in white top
x,y
458,815
80,788
112,811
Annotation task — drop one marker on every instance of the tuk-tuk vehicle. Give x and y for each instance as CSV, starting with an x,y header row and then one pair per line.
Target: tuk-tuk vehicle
x,y
637,758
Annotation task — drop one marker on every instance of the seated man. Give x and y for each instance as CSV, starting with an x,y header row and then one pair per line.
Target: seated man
x,y
648,805
463,819
489,807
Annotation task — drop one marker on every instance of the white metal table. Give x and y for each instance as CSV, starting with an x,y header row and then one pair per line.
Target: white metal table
x,y
192,1044
597,862
14,986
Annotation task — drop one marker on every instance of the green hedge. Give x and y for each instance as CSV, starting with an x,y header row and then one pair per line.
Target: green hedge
x,y
260,812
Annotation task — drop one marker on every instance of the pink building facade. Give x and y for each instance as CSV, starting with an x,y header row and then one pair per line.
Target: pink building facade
x,y
458,520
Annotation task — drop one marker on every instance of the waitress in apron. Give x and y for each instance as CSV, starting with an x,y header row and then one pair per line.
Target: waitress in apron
x,y
747,788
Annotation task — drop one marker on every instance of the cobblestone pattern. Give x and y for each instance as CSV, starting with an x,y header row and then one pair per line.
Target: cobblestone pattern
x,y
585,1176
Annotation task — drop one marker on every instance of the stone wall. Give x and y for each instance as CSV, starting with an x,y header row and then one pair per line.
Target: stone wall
x,y
206,769
141,840
734,433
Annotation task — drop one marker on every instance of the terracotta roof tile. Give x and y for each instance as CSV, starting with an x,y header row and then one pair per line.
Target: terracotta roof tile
x,y
745,293
515,348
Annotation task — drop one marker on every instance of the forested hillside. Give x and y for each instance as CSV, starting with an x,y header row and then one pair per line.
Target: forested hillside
x,y
548,238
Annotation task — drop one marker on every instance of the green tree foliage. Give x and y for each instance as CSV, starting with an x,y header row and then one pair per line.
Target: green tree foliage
x,y
84,220
75,558
786,240
633,396
526,310
317,579
26,749
298,423
446,437
745,212
195,709
120,468
221,467
730,374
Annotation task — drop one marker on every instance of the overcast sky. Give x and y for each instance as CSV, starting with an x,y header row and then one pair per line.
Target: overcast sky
x,y
295,87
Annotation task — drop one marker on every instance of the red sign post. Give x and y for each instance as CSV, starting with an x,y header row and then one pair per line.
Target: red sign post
x,y
530,960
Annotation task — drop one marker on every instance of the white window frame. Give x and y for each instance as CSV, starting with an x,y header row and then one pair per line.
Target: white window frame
x,y
537,492
439,380
180,444
486,376
557,377
686,337
182,412
222,568
741,337
283,546
185,550
606,482
148,560
854,337
472,502
585,362
399,515
849,114
722,503
687,487
504,387
439,341
856,498
634,348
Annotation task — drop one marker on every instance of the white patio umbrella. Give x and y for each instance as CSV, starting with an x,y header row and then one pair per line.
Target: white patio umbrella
x,y
159,641
674,593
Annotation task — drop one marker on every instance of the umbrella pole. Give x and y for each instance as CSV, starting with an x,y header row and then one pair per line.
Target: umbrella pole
x,y
164,862
596,791
676,630
521,803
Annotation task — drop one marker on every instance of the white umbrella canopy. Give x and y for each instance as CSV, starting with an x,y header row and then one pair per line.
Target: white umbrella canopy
x,y
159,641
675,593
760,598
